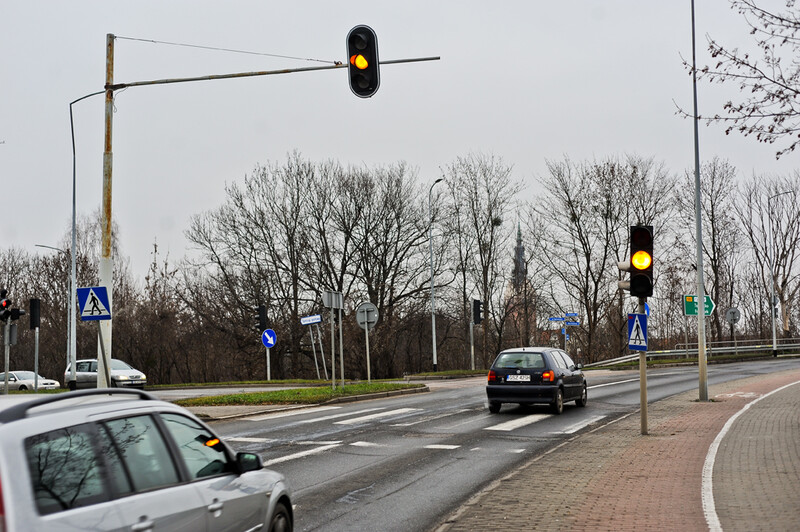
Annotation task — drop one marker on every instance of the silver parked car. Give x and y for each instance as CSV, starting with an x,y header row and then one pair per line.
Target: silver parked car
x,y
26,380
117,459
122,375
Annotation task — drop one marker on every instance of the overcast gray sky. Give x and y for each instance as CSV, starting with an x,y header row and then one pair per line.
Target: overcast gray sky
x,y
527,81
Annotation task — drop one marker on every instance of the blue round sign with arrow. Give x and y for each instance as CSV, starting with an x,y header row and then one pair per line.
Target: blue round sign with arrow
x,y
269,338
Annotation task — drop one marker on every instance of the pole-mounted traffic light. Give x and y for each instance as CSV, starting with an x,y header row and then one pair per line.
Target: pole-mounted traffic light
x,y
5,305
261,318
362,56
477,316
641,268
35,306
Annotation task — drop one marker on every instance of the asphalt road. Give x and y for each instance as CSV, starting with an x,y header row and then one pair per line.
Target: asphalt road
x,y
405,463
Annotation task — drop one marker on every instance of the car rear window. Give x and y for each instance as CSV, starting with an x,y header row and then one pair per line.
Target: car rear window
x,y
65,469
519,361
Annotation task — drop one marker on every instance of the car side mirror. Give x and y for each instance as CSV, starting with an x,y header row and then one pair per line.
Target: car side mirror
x,y
11,378
248,462
579,366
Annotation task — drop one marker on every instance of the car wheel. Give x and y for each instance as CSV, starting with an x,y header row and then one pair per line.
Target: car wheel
x,y
23,387
584,397
558,402
281,520
494,407
72,386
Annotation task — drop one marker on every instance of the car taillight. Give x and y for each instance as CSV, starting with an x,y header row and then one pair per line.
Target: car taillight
x,y
548,376
492,376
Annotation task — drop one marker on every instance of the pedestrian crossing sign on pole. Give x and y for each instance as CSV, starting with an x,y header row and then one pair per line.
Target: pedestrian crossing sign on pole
x,y
637,332
93,303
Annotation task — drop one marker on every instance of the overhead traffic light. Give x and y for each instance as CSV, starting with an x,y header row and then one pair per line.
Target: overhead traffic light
x,y
477,315
362,56
641,266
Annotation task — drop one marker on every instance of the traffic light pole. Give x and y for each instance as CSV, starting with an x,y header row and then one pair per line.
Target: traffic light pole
x,y
642,378
7,349
106,266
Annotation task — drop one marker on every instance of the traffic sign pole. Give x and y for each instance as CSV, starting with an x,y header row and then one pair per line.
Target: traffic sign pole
x,y
643,379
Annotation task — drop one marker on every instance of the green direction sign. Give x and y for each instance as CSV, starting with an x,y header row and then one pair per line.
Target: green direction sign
x,y
690,305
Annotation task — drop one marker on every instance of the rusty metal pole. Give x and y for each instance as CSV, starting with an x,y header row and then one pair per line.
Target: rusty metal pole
x,y
106,261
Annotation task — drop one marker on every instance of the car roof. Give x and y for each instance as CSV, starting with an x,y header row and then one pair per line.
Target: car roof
x,y
21,407
527,350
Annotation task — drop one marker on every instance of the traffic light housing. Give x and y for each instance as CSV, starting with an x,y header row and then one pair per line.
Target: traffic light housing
x,y
477,315
5,306
35,305
261,318
362,57
641,262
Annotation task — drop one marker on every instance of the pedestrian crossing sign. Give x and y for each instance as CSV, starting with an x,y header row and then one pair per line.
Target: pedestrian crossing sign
x,y
637,332
93,303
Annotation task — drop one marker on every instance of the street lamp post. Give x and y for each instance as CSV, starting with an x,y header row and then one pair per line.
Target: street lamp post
x,y
772,270
430,247
70,303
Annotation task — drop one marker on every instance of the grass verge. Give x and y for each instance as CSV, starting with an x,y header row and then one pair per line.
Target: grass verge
x,y
314,395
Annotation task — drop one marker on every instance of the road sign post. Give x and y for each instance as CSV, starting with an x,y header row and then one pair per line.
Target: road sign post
x,y
269,339
367,317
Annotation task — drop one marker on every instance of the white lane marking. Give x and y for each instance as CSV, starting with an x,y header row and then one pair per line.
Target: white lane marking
x,y
430,418
302,454
370,417
518,422
707,491
367,444
612,383
245,439
578,426
470,420
291,413
318,442
337,416
516,451
442,446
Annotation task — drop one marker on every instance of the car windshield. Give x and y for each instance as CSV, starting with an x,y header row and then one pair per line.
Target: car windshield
x,y
118,364
25,375
520,360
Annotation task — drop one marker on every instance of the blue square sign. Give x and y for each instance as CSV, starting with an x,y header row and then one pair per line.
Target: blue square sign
x,y
637,332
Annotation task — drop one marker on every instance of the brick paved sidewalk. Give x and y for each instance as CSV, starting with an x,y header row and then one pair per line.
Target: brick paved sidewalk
x,y
614,478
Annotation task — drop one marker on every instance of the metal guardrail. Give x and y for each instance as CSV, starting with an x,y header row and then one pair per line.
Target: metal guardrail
x,y
722,348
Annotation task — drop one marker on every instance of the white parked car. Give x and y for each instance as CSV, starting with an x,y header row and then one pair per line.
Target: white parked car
x,y
122,375
25,380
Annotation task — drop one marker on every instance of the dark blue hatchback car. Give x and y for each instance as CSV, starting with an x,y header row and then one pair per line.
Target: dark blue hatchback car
x,y
535,375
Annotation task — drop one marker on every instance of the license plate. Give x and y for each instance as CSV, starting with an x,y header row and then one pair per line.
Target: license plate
x,y
518,378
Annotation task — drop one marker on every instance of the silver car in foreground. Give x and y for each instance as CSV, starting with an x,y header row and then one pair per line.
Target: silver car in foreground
x,y
117,459
123,375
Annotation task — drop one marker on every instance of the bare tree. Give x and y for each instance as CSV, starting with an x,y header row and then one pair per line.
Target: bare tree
x,y
722,237
768,79
769,212
482,184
